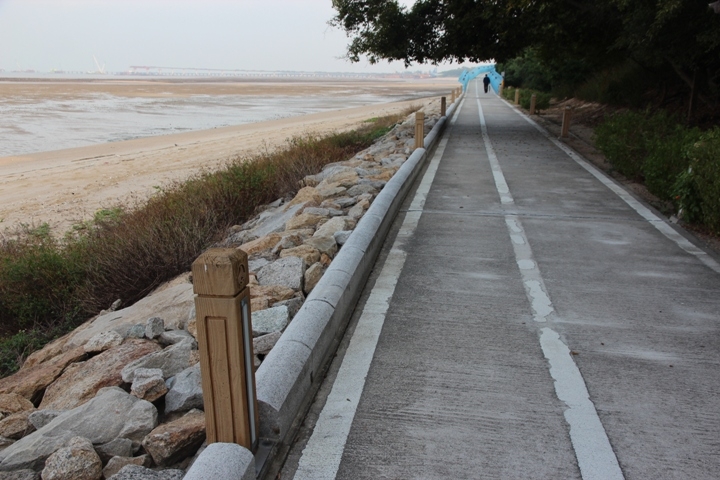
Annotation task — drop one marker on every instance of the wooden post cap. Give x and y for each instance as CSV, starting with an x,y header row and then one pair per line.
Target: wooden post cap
x,y
220,272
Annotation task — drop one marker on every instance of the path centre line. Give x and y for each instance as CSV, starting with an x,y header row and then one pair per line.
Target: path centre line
x,y
593,451
641,209
321,457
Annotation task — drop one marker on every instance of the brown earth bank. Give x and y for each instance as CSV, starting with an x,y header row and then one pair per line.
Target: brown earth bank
x,y
64,187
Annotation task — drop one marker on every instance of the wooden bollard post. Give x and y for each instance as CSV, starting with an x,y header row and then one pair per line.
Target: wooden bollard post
x,y
533,103
224,334
567,114
452,96
517,96
443,106
419,129
502,86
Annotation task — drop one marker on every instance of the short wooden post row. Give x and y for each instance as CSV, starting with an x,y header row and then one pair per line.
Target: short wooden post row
x,y
517,96
419,129
567,115
224,333
443,106
533,103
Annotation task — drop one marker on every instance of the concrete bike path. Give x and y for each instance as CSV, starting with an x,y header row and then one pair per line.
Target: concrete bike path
x,y
528,322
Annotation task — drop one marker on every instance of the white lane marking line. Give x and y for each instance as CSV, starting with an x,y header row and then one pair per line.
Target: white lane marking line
x,y
641,209
593,451
321,457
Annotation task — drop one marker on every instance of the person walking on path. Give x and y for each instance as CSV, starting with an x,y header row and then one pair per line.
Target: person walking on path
x,y
486,83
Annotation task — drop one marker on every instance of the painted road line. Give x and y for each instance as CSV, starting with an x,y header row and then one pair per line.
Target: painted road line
x,y
593,451
321,457
641,209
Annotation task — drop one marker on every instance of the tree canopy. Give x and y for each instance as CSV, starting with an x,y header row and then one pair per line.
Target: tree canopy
x,y
678,35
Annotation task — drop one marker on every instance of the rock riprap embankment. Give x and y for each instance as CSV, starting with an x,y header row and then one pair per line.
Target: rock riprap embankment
x,y
121,396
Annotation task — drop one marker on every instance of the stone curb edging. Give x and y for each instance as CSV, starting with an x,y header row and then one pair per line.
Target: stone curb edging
x,y
289,373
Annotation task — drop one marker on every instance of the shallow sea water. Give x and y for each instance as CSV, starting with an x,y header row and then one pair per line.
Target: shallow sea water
x,y
35,124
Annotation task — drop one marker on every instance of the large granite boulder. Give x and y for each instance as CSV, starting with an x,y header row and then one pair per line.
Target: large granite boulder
x,y
176,440
171,361
113,413
171,304
185,391
30,382
288,272
136,472
77,461
81,381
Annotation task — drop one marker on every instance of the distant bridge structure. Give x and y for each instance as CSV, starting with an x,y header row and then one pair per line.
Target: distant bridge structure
x,y
495,78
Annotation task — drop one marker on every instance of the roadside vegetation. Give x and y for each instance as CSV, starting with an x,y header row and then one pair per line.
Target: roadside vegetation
x,y
50,283
654,135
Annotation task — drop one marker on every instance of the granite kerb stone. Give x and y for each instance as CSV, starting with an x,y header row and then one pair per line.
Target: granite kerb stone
x,y
288,374
223,461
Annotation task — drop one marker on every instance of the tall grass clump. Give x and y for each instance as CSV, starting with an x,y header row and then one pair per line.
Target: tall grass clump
x,y
49,285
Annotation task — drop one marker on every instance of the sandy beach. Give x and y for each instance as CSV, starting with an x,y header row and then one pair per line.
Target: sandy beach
x,y
63,187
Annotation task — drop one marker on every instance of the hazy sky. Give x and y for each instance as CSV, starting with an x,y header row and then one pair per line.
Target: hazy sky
x,y
227,34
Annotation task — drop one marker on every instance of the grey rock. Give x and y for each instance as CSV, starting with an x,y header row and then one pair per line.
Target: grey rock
x,y
111,414
171,361
120,447
285,242
257,264
148,384
185,392
171,304
20,475
345,202
375,184
323,212
238,238
360,188
332,169
103,341
333,225
263,344
334,212
154,327
171,337
341,236
270,320
324,244
115,464
115,305
288,272
136,472
272,221
136,331
40,418
77,460
292,304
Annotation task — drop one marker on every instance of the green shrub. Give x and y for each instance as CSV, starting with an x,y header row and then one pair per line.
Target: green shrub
x,y
666,159
621,138
702,181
